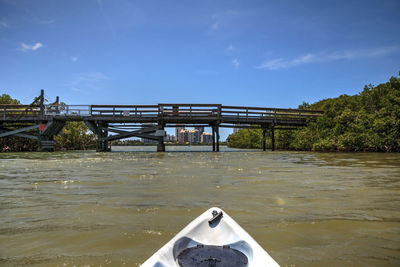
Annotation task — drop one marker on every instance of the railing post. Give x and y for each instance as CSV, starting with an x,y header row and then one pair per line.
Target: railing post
x,y
41,104
264,132
5,110
113,111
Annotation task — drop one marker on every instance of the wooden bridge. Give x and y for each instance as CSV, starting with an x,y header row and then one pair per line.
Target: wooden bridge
x,y
145,121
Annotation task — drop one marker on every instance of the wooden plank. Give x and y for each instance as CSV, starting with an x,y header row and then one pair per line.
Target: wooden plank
x,y
121,111
124,106
188,105
272,109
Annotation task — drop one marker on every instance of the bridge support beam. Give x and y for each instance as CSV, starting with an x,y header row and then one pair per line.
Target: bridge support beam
x,y
46,143
215,138
217,135
272,138
46,137
102,134
160,133
264,138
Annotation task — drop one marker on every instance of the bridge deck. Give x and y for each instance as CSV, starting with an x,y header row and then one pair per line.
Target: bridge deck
x,y
161,113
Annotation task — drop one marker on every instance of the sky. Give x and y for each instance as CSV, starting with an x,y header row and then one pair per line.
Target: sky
x,y
251,53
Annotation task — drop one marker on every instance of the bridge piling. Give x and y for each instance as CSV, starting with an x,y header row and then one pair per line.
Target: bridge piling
x,y
102,133
272,138
217,136
213,137
264,138
160,144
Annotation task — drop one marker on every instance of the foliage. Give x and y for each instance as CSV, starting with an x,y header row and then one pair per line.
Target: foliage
x,y
246,138
369,121
75,136
7,99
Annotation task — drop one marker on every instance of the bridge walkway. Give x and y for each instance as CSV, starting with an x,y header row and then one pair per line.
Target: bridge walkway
x,y
147,121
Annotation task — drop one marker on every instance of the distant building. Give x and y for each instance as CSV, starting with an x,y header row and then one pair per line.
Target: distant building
x,y
183,136
200,129
169,138
177,131
206,138
194,136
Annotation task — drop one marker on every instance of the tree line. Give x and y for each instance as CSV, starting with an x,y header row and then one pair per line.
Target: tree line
x,y
368,121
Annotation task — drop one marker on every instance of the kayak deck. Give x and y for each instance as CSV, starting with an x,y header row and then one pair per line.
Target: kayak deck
x,y
212,239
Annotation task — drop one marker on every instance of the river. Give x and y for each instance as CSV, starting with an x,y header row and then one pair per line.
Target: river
x,y
118,208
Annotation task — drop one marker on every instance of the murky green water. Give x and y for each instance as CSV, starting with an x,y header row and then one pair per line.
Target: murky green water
x,y
305,209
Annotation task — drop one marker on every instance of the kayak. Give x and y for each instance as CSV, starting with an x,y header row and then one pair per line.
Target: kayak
x,y
212,239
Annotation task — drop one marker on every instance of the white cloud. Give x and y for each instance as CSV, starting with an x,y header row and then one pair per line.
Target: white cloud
x,y
26,47
215,26
236,63
230,48
37,46
281,63
74,59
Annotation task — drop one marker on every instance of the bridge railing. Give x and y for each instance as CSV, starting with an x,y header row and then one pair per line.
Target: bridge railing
x,y
216,111
11,111
189,110
237,112
67,110
137,111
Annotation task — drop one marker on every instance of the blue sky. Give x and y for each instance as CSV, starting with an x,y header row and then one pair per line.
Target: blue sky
x,y
255,53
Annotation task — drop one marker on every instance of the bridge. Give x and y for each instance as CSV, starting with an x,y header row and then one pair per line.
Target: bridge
x,y
113,122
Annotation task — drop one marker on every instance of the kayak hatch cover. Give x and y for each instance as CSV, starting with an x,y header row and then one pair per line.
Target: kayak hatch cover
x,y
212,239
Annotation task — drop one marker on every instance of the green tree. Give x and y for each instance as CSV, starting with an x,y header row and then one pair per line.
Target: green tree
x,y
369,121
7,99
75,136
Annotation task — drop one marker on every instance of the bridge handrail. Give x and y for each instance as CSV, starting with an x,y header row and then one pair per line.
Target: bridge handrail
x,y
124,106
15,111
67,110
18,106
224,108
160,111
